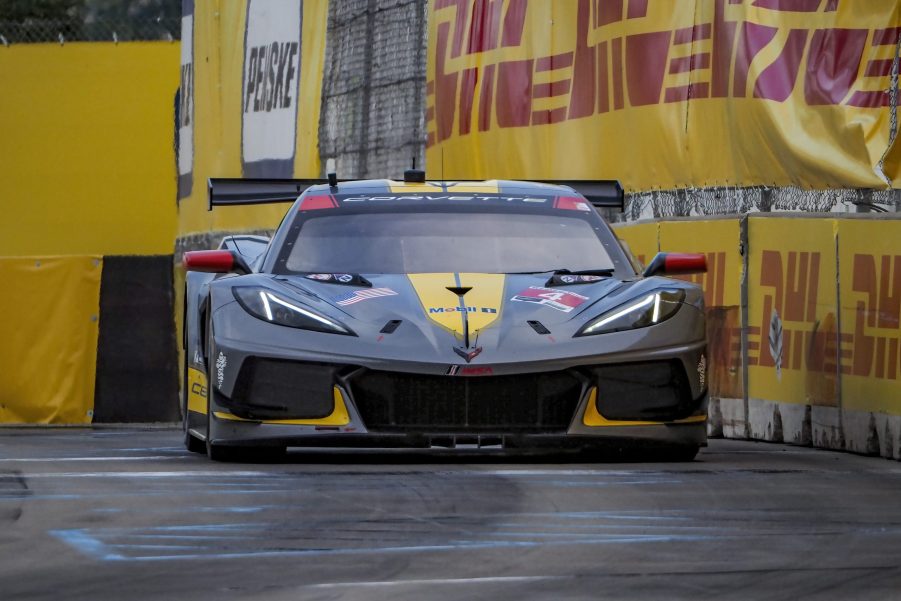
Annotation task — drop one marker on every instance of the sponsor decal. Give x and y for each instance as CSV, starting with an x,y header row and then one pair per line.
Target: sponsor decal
x,y
197,358
427,197
561,300
568,279
221,363
361,295
462,310
469,370
270,94
198,388
339,278
184,112
702,371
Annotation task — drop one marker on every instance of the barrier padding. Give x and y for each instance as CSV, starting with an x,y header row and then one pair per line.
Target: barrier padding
x,y
49,313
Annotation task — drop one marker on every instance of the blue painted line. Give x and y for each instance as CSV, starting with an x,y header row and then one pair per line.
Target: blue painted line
x,y
86,544
95,548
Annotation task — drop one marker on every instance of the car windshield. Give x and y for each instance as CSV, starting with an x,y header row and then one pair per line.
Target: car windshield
x,y
445,242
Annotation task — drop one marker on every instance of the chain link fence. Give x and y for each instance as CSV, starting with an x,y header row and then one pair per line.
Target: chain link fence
x,y
76,29
727,200
372,120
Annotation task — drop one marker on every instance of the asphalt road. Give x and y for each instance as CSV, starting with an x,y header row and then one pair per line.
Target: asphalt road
x,y
128,514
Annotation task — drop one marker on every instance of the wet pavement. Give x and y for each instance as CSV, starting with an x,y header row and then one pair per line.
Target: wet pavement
x,y
128,513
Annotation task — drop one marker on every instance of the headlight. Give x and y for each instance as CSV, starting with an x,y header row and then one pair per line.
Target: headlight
x,y
641,312
268,306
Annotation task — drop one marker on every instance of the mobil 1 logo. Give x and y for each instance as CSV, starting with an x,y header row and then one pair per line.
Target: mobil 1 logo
x,y
272,43
185,106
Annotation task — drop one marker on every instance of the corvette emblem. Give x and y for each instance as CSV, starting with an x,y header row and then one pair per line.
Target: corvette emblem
x,y
468,355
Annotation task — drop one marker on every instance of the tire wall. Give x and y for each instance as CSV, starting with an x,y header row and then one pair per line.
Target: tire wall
x,y
803,324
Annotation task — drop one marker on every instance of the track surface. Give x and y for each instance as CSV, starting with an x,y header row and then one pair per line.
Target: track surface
x,y
128,514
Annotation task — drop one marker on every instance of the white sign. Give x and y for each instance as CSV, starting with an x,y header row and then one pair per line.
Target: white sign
x,y
186,103
271,87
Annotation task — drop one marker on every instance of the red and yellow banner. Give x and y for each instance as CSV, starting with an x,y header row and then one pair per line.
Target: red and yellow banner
x,y
663,94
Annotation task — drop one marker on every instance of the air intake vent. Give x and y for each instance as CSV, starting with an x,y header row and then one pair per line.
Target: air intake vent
x,y
539,327
390,326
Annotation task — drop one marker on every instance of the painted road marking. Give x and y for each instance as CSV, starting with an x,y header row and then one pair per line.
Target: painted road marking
x,y
58,459
432,581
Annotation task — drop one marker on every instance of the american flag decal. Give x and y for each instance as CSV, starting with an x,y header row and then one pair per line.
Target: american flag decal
x,y
361,295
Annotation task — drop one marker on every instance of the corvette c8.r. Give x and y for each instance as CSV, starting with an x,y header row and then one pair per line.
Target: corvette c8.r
x,y
492,314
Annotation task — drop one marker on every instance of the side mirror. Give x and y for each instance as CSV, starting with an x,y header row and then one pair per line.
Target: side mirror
x,y
215,261
676,264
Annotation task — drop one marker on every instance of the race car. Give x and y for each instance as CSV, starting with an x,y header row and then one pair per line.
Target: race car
x,y
434,314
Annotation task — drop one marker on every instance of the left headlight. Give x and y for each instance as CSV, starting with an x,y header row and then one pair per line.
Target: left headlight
x,y
269,306
647,310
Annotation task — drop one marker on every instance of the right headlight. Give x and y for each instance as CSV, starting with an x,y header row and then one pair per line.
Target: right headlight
x,y
265,304
647,310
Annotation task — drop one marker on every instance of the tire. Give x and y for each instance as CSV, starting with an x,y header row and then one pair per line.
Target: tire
x,y
679,454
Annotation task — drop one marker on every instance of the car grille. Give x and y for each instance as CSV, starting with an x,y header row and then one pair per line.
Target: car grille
x,y
524,403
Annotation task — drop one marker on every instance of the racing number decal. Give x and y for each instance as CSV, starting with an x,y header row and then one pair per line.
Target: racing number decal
x,y
561,300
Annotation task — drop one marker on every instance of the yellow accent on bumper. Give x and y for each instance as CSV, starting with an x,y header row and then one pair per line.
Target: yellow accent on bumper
x,y
338,417
593,418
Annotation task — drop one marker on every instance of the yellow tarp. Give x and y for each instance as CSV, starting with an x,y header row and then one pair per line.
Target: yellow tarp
x,y
86,159
662,94
49,316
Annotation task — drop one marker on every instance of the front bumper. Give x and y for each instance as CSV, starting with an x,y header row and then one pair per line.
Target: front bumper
x,y
554,409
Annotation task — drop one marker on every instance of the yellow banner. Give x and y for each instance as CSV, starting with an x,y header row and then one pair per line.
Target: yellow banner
x,y
731,92
49,319
870,285
251,91
792,321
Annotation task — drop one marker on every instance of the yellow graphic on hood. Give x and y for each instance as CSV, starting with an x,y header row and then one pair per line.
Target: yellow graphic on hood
x,y
481,305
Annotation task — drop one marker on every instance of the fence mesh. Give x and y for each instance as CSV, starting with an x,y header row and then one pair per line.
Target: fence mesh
x,y
77,29
727,200
372,119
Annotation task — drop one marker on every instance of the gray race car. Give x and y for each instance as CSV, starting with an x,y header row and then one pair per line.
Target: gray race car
x,y
491,314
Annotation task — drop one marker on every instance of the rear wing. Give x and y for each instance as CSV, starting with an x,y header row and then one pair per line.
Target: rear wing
x,y
239,191
230,192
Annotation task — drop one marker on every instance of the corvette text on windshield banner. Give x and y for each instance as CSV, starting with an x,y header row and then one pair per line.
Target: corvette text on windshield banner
x,y
714,93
